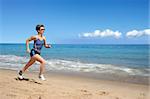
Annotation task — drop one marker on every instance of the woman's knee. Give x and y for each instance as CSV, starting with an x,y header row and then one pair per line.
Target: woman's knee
x,y
39,59
43,62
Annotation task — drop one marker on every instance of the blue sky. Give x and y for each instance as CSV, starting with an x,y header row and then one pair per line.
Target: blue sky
x,y
65,20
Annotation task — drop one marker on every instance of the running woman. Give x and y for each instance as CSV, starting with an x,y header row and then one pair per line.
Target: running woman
x,y
39,41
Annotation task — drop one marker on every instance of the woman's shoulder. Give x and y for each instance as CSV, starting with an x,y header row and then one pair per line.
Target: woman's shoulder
x,y
34,37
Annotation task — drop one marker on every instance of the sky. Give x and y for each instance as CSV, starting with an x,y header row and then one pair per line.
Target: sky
x,y
76,21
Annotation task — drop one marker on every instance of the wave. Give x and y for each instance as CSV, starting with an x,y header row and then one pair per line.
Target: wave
x,y
17,62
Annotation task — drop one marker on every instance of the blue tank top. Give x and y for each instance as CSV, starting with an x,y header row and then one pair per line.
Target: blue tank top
x,y
38,44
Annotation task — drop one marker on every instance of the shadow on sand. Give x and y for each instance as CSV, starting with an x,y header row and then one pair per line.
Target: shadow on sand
x,y
29,80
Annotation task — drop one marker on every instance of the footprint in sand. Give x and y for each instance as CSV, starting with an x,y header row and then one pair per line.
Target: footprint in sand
x,y
85,92
117,98
102,93
11,95
35,97
141,96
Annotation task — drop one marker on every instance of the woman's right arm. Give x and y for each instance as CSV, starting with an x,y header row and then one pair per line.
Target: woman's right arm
x,y
27,43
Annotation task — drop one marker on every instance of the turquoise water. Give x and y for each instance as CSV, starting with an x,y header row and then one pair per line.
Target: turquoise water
x,y
124,59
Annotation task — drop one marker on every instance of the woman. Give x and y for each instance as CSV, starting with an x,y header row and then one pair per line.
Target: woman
x,y
39,41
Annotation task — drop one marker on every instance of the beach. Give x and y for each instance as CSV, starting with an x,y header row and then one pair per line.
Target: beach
x,y
85,49
77,72
59,86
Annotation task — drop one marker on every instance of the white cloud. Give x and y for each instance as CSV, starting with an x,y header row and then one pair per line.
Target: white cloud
x,y
135,33
105,33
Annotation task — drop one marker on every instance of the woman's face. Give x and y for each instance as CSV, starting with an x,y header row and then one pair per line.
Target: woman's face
x,y
41,31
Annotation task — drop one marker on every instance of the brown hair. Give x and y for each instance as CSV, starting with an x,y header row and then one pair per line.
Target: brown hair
x,y
39,26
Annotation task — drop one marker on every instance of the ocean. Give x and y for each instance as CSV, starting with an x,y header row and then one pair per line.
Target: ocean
x,y
121,60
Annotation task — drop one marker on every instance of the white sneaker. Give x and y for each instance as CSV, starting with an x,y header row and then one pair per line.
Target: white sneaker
x,y
20,75
42,77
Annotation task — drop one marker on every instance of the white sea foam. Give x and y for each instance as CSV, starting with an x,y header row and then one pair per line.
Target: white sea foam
x,y
17,62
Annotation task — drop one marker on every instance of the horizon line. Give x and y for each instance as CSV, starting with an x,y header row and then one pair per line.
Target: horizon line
x,y
86,43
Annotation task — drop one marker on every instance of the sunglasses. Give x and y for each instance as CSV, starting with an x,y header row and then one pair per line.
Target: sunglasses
x,y
42,29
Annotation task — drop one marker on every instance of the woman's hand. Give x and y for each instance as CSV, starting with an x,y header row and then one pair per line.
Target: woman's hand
x,y
28,50
27,43
48,46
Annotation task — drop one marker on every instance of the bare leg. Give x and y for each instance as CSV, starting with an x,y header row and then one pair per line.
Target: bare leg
x,y
42,61
31,61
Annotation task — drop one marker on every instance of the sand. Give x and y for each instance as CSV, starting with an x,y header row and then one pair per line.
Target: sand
x,y
58,86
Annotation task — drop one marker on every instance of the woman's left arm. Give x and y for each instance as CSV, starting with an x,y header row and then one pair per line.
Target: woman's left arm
x,y
46,45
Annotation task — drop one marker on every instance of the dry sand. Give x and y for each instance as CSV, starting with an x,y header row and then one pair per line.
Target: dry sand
x,y
59,86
